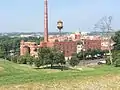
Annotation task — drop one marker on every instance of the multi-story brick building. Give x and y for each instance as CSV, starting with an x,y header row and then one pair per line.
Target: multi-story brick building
x,y
68,47
66,44
92,44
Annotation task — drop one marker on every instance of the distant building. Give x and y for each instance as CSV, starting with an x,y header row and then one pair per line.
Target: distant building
x,y
92,44
68,44
105,44
67,47
27,36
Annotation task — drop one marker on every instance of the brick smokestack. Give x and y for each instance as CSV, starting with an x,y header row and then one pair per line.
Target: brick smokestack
x,y
45,20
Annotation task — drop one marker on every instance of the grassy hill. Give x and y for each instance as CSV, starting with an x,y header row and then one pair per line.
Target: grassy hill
x,y
15,74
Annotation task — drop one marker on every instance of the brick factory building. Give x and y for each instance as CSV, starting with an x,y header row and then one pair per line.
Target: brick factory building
x,y
67,47
92,44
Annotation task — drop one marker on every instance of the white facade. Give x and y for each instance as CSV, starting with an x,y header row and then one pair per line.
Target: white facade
x,y
79,48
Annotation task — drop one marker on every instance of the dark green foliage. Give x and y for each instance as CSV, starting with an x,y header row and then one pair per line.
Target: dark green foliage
x,y
58,57
116,57
44,55
30,60
9,58
22,60
14,59
74,61
116,51
26,59
50,56
2,53
80,55
38,62
7,44
117,63
116,39
83,54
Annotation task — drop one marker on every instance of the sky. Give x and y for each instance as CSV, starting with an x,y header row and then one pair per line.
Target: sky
x,y
82,15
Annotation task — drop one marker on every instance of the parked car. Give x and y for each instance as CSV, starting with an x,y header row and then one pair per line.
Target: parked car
x,y
102,62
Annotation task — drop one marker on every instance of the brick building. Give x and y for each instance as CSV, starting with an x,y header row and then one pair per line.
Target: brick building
x,y
68,47
92,44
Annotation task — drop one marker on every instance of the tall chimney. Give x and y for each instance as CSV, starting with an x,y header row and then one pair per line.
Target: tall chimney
x,y
45,20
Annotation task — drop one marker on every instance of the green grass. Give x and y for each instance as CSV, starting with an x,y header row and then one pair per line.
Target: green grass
x,y
12,73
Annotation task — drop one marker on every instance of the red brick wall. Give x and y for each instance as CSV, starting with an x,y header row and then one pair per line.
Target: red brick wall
x,y
67,47
92,44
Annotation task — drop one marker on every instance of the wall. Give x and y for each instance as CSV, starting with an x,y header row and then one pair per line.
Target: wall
x,y
92,44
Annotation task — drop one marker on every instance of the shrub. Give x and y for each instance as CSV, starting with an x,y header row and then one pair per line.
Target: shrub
x,y
29,60
116,57
74,61
38,62
22,60
117,63
14,59
9,58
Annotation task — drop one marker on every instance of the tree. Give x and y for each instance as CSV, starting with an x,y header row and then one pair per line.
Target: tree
x,y
44,55
22,60
116,39
58,58
14,59
2,52
51,56
7,44
29,60
80,55
38,62
74,61
105,25
116,58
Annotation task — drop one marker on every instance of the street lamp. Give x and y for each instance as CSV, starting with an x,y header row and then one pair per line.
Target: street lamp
x,y
60,26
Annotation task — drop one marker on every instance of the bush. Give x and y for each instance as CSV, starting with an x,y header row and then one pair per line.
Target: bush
x,y
9,58
29,60
74,61
117,63
116,57
22,60
14,59
38,62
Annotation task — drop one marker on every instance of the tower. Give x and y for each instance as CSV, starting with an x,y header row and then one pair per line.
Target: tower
x,y
45,20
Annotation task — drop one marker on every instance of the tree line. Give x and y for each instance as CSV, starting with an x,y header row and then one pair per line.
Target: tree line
x,y
46,56
10,45
115,51
52,56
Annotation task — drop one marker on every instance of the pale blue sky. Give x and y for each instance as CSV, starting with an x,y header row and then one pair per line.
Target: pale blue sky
x,y
27,15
